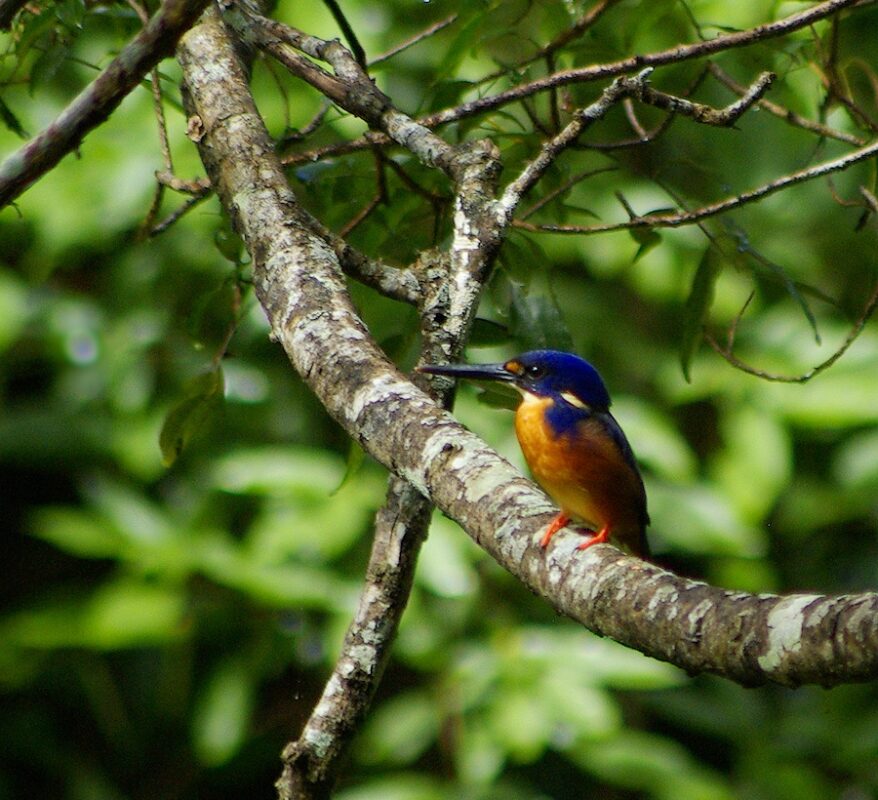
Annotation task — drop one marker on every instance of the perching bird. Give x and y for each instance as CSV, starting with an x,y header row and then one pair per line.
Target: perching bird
x,y
573,445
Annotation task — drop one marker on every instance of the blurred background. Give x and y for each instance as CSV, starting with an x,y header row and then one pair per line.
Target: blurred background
x,y
168,619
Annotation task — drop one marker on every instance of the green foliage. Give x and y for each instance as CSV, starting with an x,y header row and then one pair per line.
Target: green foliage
x,y
697,309
187,531
202,399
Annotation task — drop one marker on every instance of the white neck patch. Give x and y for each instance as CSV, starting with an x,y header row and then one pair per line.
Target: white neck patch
x,y
528,397
574,400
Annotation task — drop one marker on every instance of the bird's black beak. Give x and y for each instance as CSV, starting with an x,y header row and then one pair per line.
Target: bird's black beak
x,y
478,372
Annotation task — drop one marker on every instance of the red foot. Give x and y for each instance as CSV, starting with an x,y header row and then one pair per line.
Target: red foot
x,y
559,522
601,536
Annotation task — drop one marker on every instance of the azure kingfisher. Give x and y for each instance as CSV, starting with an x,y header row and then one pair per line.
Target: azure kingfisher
x,y
572,443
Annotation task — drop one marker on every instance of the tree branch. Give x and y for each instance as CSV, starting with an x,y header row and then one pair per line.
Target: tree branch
x,y
613,69
99,99
727,351
597,72
747,638
350,87
593,73
786,114
217,94
721,206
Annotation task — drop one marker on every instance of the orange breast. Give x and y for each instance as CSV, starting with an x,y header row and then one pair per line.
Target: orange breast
x,y
583,471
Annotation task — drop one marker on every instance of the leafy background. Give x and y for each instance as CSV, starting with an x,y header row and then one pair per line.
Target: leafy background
x,y
166,628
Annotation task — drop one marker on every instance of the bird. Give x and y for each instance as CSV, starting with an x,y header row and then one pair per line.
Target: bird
x,y
572,444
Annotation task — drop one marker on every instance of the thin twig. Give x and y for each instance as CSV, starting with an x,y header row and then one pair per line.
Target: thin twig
x,y
564,188
631,116
313,124
856,330
634,141
198,187
158,109
595,72
350,87
416,39
346,29
785,114
379,197
720,207
582,120
644,136
837,91
575,31
871,200
673,55
708,115
185,207
617,91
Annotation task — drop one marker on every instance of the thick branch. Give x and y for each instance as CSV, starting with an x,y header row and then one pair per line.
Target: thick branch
x,y
350,88
240,159
311,762
748,638
97,101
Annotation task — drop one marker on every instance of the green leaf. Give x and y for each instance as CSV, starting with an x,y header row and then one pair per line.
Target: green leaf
x,y
469,33
536,321
445,567
397,787
698,307
521,259
658,441
445,94
34,30
487,333
521,724
11,121
202,401
856,463
400,730
223,712
755,464
479,758
653,764
71,13
700,519
499,396
307,472
214,315
121,614
354,462
776,273
228,243
14,307
48,63
577,209
131,613
647,238
77,532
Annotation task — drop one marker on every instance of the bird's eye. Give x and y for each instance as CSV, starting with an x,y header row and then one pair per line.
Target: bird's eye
x,y
535,371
